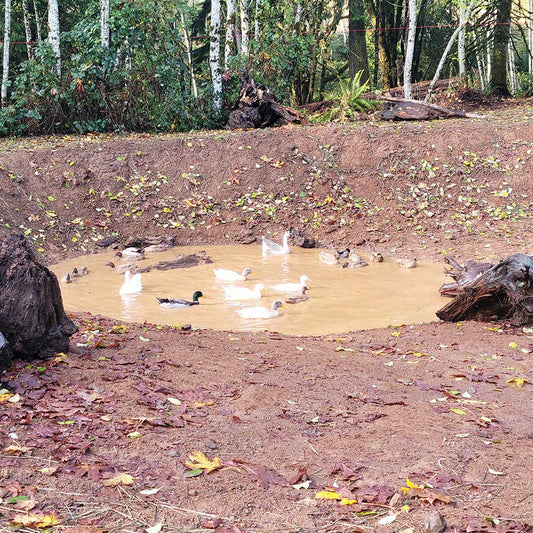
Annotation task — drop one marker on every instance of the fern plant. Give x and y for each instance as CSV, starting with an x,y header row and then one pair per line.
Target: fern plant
x,y
348,101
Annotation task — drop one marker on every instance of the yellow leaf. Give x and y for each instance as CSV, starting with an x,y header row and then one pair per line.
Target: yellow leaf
x,y
5,397
48,470
513,345
203,404
346,501
404,509
412,485
458,411
417,354
34,520
327,495
121,479
198,460
519,382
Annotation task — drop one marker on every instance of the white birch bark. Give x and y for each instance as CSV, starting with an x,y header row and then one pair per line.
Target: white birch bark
x,y
104,23
53,32
214,54
410,51
230,31
189,57
37,22
447,51
7,45
489,56
27,28
511,68
245,27
480,60
461,40
256,21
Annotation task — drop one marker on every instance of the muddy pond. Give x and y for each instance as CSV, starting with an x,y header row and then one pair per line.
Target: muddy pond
x,y
340,300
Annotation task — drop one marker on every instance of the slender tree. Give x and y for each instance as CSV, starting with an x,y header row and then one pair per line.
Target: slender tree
x,y
37,21
214,54
245,27
189,56
104,23
357,49
231,13
502,30
27,28
461,40
409,53
7,45
53,32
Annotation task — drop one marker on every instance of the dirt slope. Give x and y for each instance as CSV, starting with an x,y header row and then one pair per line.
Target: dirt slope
x,y
444,405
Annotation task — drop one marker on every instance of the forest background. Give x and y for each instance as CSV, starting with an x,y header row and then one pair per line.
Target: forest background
x,y
170,65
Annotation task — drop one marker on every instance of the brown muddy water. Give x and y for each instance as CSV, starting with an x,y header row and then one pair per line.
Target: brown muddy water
x,y
340,300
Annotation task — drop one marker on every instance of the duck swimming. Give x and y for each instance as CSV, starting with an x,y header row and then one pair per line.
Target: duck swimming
x,y
180,302
273,248
261,312
132,283
67,278
230,275
291,287
328,258
298,299
130,253
242,293
407,263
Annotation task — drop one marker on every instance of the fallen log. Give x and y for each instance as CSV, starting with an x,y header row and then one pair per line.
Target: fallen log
x,y
180,261
401,109
462,275
503,292
258,108
32,318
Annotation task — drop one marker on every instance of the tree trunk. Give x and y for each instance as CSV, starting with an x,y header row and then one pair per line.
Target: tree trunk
x,y
230,31
27,28
256,20
409,53
189,57
53,32
32,318
7,45
357,50
214,54
37,22
498,79
530,37
504,292
447,51
245,28
461,41
104,23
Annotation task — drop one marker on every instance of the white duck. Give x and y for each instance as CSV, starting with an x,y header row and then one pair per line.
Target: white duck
x,y
273,248
261,312
242,293
130,253
230,275
291,287
132,283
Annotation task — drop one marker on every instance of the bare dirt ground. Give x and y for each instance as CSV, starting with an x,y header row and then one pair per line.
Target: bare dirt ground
x,y
299,434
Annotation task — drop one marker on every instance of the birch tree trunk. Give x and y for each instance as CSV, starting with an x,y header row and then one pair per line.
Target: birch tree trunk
x,y
53,32
189,57
461,40
7,45
214,54
511,68
37,22
410,51
447,51
27,28
256,20
230,31
104,23
245,27
480,60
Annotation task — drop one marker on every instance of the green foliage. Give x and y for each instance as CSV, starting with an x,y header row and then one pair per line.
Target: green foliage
x,y
348,101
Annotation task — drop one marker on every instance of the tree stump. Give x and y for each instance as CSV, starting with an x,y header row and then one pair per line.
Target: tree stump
x,y
32,318
258,108
504,292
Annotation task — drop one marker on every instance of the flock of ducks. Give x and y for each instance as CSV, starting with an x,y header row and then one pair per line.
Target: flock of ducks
x,y
133,282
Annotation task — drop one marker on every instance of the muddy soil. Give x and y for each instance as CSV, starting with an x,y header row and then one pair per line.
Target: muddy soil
x,y
302,434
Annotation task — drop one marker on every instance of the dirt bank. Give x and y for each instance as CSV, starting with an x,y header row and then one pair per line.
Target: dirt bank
x,y
99,439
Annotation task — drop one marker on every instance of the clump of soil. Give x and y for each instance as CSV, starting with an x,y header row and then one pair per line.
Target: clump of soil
x,y
300,434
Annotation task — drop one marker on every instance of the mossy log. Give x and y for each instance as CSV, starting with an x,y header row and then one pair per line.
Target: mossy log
x,y
503,292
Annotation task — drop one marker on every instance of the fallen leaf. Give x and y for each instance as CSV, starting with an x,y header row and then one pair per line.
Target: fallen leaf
x,y
149,492
458,411
173,401
386,520
496,473
155,528
35,520
121,479
327,495
15,449
198,460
